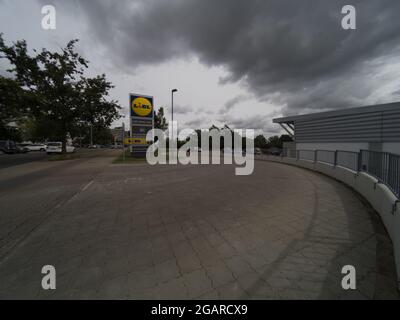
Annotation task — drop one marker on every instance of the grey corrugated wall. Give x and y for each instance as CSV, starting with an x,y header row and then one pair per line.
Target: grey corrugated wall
x,y
377,126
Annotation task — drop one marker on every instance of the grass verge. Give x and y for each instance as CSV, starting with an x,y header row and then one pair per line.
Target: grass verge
x,y
78,154
128,158
67,156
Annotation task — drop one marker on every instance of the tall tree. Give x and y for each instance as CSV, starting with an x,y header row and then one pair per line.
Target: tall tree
x,y
95,108
61,93
96,111
160,122
11,106
40,129
277,141
260,142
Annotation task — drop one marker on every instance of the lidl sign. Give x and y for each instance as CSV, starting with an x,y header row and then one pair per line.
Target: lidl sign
x,y
142,114
141,106
137,141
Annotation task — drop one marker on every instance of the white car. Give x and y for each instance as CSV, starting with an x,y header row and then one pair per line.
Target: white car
x,y
56,147
36,147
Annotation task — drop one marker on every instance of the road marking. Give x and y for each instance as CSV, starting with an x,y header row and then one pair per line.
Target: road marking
x,y
76,194
87,186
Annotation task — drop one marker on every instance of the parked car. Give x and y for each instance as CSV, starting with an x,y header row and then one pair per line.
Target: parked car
x,y
56,147
8,147
274,151
22,149
36,147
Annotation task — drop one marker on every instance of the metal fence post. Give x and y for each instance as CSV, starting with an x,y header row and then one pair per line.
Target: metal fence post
x,y
359,159
335,158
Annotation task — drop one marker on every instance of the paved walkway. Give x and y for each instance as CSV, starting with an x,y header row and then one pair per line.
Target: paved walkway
x,y
170,232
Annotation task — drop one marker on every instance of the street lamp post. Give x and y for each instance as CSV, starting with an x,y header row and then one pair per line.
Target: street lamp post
x,y
91,135
172,103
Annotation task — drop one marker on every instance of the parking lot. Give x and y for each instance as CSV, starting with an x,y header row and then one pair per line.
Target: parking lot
x,y
136,231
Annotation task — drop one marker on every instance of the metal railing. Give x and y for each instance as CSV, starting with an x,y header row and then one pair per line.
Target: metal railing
x,y
326,156
308,155
347,159
382,165
289,153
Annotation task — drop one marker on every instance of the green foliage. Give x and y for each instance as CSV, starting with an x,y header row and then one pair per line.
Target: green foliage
x,y
272,142
101,135
94,108
10,133
57,96
11,100
222,138
159,119
260,142
277,141
40,129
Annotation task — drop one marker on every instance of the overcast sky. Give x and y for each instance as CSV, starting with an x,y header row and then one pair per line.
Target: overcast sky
x,y
239,63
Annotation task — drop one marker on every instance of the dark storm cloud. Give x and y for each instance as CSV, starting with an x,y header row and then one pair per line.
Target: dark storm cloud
x,y
183,109
197,122
288,51
234,101
256,122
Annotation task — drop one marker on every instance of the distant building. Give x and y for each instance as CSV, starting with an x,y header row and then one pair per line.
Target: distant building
x,y
374,128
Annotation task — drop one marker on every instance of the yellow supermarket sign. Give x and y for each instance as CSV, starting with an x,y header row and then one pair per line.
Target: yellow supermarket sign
x,y
142,106
130,141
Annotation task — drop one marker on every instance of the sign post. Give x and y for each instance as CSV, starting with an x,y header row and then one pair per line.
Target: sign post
x,y
123,142
142,121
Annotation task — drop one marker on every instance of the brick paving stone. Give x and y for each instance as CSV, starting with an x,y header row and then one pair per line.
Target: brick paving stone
x,y
281,233
219,274
197,283
232,291
238,266
167,270
115,287
172,289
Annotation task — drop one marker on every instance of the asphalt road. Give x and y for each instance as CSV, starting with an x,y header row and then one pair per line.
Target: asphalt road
x,y
141,232
9,160
30,192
